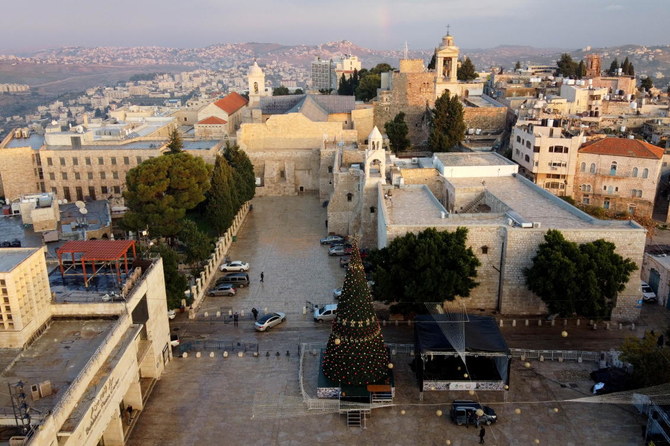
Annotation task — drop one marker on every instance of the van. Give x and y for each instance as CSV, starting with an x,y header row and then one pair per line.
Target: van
x,y
325,313
240,280
465,412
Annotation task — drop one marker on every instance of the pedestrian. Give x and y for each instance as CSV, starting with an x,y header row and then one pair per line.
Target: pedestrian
x,y
661,341
254,311
482,432
236,317
262,276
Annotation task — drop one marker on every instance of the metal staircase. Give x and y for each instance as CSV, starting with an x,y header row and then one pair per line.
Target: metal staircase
x,y
357,417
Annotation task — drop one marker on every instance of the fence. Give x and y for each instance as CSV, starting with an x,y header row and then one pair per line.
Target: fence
x,y
559,355
208,345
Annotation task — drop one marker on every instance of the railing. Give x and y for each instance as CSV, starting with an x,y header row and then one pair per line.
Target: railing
x,y
560,355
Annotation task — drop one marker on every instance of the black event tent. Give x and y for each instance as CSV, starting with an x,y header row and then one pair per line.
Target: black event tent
x,y
486,353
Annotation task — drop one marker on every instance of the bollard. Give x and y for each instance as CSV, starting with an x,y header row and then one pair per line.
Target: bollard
x,y
513,322
241,314
396,322
206,314
620,325
552,322
265,310
240,354
211,354
578,322
579,360
527,322
304,310
607,325
384,322
218,314
501,323
198,354
184,355
595,325
539,322
541,358
591,322
225,354
632,326
230,312
560,359
409,323
565,322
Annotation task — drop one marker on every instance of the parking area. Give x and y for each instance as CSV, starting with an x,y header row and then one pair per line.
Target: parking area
x,y
257,400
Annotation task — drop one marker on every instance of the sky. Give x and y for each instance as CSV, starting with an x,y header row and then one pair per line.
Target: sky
x,y
378,24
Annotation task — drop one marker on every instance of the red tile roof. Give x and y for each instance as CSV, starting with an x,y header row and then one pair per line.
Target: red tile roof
x,y
634,148
231,103
213,120
97,249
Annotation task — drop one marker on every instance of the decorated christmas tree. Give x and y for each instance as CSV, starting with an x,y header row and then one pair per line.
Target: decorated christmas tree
x,y
355,354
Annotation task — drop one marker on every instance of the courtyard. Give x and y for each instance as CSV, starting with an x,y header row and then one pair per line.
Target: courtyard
x,y
258,400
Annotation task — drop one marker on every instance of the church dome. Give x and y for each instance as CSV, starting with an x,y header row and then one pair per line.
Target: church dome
x,y
255,70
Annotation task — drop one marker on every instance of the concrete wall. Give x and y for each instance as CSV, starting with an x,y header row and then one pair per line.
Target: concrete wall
x,y
17,173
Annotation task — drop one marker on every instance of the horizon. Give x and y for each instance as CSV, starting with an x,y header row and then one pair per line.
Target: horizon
x,y
380,25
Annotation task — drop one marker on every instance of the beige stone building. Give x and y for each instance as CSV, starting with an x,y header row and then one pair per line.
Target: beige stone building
x,y
221,118
584,99
546,154
619,174
80,360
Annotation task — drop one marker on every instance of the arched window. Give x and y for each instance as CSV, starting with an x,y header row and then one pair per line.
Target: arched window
x,y
635,171
593,168
350,196
527,158
582,167
613,168
645,173
528,144
518,139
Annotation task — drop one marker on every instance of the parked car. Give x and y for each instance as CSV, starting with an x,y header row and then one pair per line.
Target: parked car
x,y
648,294
240,280
326,313
330,239
269,320
337,292
171,314
174,340
223,289
339,250
471,412
344,261
234,266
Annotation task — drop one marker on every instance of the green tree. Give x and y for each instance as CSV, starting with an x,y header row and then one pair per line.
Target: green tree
x,y
355,353
298,91
566,66
367,87
625,66
651,363
397,130
431,266
175,281
244,178
581,70
517,65
466,72
447,125
631,70
222,197
175,143
614,66
280,91
345,87
160,191
431,64
646,84
578,279
196,244
381,68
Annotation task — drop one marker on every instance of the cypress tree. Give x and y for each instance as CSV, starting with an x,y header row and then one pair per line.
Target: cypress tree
x,y
447,126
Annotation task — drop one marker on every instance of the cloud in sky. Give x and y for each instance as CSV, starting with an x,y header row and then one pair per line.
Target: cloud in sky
x,y
375,23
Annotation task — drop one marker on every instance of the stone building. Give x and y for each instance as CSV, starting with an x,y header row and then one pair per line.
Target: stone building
x,y
546,154
619,174
80,360
656,272
221,118
507,217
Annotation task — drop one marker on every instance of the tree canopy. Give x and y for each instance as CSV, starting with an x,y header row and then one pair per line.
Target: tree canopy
x,y
651,361
367,87
614,66
431,64
160,191
431,266
466,72
578,279
197,246
567,67
396,130
646,84
222,198
280,91
244,178
447,125
175,143
175,281
517,65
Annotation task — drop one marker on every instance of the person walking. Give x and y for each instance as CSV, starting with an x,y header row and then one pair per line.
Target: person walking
x,y
262,276
482,432
236,317
660,342
254,311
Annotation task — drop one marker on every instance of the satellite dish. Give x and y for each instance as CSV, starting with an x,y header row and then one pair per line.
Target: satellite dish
x,y
80,204
83,211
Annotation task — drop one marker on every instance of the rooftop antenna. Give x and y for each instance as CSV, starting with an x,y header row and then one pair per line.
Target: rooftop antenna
x,y
406,51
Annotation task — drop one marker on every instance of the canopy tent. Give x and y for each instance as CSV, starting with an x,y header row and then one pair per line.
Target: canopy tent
x,y
483,365
98,254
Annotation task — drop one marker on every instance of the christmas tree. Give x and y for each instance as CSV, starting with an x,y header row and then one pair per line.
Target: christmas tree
x,y
355,354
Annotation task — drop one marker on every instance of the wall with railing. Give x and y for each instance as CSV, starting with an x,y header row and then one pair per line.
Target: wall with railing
x,y
199,289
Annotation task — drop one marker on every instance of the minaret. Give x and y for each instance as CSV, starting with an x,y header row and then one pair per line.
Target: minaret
x,y
256,79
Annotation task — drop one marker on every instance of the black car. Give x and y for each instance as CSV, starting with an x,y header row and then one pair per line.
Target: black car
x,y
471,412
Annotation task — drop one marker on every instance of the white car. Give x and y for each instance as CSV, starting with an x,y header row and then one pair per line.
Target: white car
x,y
171,314
648,294
235,265
327,313
269,320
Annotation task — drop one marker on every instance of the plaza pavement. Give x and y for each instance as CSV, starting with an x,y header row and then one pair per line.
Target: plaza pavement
x,y
257,400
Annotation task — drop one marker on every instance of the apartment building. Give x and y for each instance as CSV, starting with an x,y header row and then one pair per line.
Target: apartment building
x,y
546,154
323,75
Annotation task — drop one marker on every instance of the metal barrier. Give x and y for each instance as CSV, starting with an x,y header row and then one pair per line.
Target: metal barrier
x,y
230,346
560,355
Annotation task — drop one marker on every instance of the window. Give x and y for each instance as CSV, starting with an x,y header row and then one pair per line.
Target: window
x,y
613,168
586,200
113,159
527,158
64,175
103,176
66,193
91,192
634,171
518,139
350,196
90,175
485,249
606,204
80,193
645,173
115,175
75,161
516,151
101,161
138,159
536,149
330,169
77,176
631,209
372,209
528,144
126,160
50,162
103,190
52,176
592,169
117,190
582,167
585,188
88,160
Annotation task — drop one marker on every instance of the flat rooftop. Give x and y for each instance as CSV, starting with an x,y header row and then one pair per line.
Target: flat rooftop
x,y
472,159
11,257
481,101
34,140
59,355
